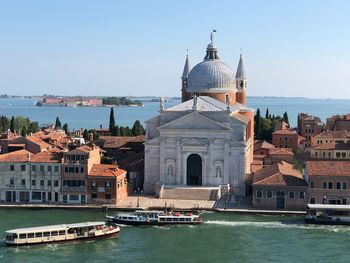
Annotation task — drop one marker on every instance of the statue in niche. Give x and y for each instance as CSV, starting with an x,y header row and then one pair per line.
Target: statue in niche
x,y
170,170
218,171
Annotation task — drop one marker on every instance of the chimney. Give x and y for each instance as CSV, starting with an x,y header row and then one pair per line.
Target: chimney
x,y
28,157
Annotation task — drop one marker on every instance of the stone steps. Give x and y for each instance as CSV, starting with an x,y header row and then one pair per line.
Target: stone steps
x,y
189,193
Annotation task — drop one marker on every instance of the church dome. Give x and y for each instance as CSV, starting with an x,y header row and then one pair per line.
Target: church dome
x,y
211,75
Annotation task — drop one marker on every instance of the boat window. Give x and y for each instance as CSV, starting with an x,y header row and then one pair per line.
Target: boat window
x,y
62,232
22,236
175,219
54,233
130,218
30,235
181,219
39,234
70,231
124,217
169,219
162,219
46,234
188,219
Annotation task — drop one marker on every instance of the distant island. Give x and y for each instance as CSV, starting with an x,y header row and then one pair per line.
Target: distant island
x,y
79,101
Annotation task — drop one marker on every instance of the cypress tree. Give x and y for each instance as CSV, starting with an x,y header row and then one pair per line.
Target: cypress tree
x,y
58,123
111,121
24,131
12,124
117,131
257,129
65,128
267,115
285,117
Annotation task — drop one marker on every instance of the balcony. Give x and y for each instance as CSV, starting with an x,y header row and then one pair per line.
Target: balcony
x,y
73,188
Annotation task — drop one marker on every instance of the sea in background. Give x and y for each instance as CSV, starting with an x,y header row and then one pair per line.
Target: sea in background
x,y
93,117
223,237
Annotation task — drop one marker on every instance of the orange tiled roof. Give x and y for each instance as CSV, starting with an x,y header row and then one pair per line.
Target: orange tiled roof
x,y
17,156
284,132
325,146
333,134
38,141
281,151
106,170
46,157
279,174
258,145
328,168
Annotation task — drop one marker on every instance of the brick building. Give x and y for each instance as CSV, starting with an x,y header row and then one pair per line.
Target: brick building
x,y
339,122
279,186
329,181
288,139
309,126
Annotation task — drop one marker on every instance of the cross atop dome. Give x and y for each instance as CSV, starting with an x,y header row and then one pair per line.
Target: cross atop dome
x,y
211,48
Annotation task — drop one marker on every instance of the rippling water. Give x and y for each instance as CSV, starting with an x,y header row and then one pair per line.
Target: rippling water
x,y
223,237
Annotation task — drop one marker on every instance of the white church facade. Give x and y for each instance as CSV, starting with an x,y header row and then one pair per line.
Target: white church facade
x,y
206,141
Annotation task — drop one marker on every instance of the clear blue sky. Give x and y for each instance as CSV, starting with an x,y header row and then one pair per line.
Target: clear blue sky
x,y
291,48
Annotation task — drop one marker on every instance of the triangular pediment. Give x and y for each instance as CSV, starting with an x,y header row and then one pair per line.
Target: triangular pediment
x,y
195,141
194,121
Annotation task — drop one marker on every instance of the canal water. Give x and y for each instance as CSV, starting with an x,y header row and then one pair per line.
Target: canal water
x,y
223,237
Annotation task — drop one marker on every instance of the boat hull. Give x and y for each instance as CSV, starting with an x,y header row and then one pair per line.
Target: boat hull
x,y
152,223
326,222
105,236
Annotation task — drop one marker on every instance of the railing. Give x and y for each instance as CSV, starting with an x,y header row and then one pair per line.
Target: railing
x,y
73,188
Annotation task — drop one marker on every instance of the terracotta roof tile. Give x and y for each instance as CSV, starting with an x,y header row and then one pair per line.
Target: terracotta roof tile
x,y
333,134
328,168
281,174
106,170
258,145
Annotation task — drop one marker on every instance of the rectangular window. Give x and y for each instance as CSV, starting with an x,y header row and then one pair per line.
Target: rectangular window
x,y
54,233
324,185
12,167
62,232
344,186
259,194
338,185
12,181
73,197
56,183
56,168
49,168
23,182
30,235
291,194
93,196
36,195
33,182
49,197
344,201
34,168
42,182
312,184
81,169
49,183
301,195
66,169
39,234
22,236
312,200
76,169
330,185
42,169
23,167
108,196
46,234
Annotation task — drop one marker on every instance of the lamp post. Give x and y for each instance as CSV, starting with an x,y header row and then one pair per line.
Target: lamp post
x,y
139,191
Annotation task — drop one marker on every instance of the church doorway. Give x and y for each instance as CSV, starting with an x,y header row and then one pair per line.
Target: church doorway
x,y
194,170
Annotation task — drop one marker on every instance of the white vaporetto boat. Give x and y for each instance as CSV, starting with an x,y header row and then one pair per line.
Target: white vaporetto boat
x,y
328,214
155,218
59,233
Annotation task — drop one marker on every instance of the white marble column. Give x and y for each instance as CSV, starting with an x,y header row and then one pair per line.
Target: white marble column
x,y
162,161
226,162
184,169
178,162
210,163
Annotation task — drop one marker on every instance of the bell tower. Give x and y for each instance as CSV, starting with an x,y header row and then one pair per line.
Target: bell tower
x,y
185,95
241,82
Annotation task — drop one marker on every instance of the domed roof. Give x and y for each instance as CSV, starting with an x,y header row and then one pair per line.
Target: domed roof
x,y
211,76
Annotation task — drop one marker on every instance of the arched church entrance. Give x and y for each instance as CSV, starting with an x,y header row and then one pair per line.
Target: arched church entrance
x,y
194,170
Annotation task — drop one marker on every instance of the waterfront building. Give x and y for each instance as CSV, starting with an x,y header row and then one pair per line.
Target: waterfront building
x,y
269,154
279,186
106,184
339,122
288,139
329,181
75,169
308,126
30,178
206,142
331,151
330,136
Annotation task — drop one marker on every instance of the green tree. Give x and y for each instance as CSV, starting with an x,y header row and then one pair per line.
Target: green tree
x,y
58,123
86,135
285,117
12,124
267,115
257,125
24,131
65,128
137,129
111,121
122,131
33,127
117,131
